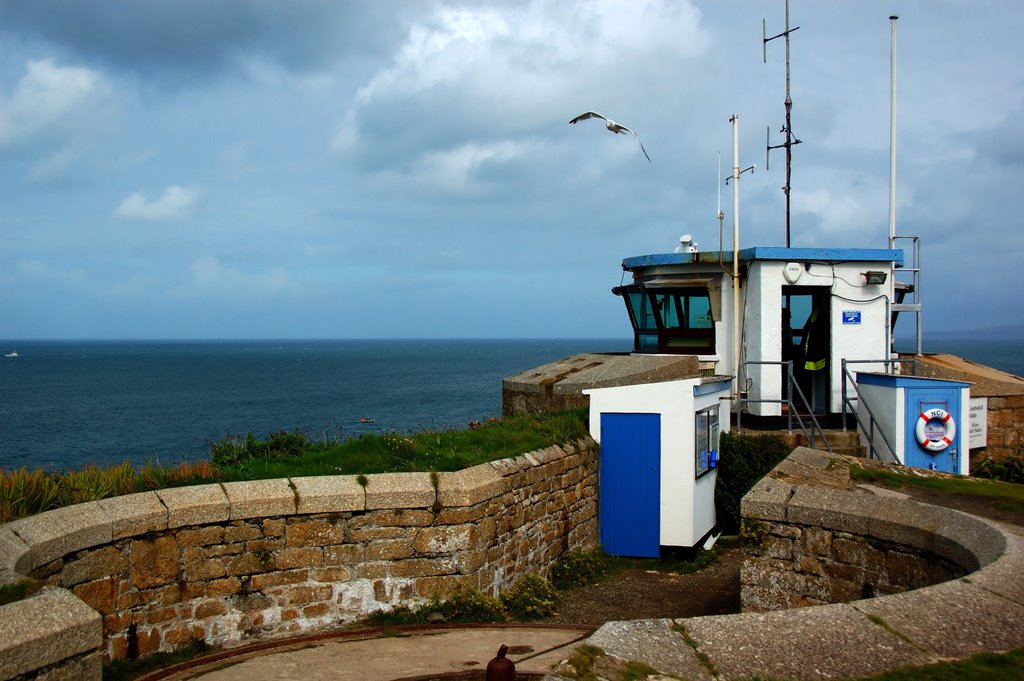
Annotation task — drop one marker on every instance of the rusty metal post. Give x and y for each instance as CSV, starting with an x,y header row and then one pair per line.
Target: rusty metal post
x,y
501,668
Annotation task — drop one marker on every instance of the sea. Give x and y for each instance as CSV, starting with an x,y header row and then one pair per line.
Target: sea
x,y
67,404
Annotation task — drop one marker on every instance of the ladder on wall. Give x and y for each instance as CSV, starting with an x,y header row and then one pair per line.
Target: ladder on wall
x,y
904,286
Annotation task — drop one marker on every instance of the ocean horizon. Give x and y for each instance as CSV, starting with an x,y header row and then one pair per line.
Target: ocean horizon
x,y
69,403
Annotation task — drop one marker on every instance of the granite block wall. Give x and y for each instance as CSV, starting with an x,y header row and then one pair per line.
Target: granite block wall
x,y
235,561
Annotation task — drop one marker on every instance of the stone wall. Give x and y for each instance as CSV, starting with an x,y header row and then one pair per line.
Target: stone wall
x,y
236,561
1005,427
812,537
560,384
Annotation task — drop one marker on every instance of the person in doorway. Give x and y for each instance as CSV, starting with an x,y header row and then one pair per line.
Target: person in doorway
x,y
815,342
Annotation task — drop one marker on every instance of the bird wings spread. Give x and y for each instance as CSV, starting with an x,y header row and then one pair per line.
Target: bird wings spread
x,y
585,116
612,126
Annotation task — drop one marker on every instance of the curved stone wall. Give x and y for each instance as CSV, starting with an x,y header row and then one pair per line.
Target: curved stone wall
x,y
812,491
234,561
812,538
489,524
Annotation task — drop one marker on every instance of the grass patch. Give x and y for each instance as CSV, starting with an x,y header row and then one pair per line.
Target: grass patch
x,y
582,662
988,666
448,450
1009,495
19,590
634,671
26,492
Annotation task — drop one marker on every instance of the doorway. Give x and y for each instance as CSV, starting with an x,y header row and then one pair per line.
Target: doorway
x,y
807,342
630,484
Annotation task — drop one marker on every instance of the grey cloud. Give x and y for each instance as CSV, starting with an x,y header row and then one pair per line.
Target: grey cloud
x,y
187,40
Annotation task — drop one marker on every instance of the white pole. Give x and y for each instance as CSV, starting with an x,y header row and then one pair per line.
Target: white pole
x,y
892,173
892,135
735,120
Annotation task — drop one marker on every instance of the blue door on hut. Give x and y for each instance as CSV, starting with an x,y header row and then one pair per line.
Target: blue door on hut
x,y
921,402
630,483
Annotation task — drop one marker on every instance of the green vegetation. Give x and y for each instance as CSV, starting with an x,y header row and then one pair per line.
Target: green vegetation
x,y
462,605
1009,495
532,598
124,670
753,533
744,460
580,568
988,666
24,492
448,450
23,588
590,663
582,662
1007,469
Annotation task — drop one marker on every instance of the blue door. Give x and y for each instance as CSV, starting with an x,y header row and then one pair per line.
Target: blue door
x,y
921,403
630,482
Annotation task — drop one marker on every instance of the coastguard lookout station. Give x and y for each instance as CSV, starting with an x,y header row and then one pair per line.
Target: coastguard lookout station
x,y
782,326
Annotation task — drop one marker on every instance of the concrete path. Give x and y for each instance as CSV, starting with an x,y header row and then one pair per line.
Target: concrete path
x,y
412,654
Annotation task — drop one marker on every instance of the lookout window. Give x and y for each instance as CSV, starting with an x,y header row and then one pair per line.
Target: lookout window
x,y
670,320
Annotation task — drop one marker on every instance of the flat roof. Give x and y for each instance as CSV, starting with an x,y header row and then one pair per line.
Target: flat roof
x,y
894,255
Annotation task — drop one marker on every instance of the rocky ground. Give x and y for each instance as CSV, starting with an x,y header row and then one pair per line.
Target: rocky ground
x,y
645,593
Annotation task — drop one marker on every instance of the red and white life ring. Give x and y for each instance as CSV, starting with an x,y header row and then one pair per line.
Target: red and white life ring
x,y
948,424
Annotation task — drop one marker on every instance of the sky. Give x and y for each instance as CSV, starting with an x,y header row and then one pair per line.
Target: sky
x,y
196,169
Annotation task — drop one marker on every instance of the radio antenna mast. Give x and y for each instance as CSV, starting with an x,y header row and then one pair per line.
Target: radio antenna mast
x,y
788,127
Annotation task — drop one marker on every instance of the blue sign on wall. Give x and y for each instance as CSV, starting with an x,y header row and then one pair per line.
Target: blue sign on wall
x,y
851,316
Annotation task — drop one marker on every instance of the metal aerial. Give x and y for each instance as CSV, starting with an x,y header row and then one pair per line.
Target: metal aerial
x,y
788,127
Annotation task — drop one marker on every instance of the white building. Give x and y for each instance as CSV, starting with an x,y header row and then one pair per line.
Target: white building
x,y
809,306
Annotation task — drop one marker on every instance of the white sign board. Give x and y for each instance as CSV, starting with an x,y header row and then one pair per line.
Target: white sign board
x,y
978,433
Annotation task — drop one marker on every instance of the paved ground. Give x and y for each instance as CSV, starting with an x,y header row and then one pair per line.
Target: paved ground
x,y
415,654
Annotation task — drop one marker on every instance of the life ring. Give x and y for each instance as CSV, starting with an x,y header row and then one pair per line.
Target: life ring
x,y
948,424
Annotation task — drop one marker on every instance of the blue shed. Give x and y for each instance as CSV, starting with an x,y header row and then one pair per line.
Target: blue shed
x,y
926,420
659,448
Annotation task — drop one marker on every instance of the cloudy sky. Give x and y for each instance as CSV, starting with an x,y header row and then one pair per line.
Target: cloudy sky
x,y
314,169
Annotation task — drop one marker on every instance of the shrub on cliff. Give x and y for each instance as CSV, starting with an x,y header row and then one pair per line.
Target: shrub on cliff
x,y
743,460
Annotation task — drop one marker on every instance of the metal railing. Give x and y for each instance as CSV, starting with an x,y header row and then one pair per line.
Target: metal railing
x,y
869,429
809,430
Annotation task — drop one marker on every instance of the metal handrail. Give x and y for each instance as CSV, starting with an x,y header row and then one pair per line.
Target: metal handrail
x,y
888,369
869,429
794,387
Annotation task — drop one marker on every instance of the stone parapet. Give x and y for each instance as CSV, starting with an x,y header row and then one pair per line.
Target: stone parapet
x,y
812,535
560,384
51,629
230,562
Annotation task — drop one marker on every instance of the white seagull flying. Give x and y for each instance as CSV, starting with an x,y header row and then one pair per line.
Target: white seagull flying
x,y
617,128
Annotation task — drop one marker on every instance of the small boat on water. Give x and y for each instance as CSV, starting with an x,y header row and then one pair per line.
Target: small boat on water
x,y
363,419
11,354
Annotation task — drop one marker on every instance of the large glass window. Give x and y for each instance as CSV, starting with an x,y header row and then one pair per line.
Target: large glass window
x,y
670,320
